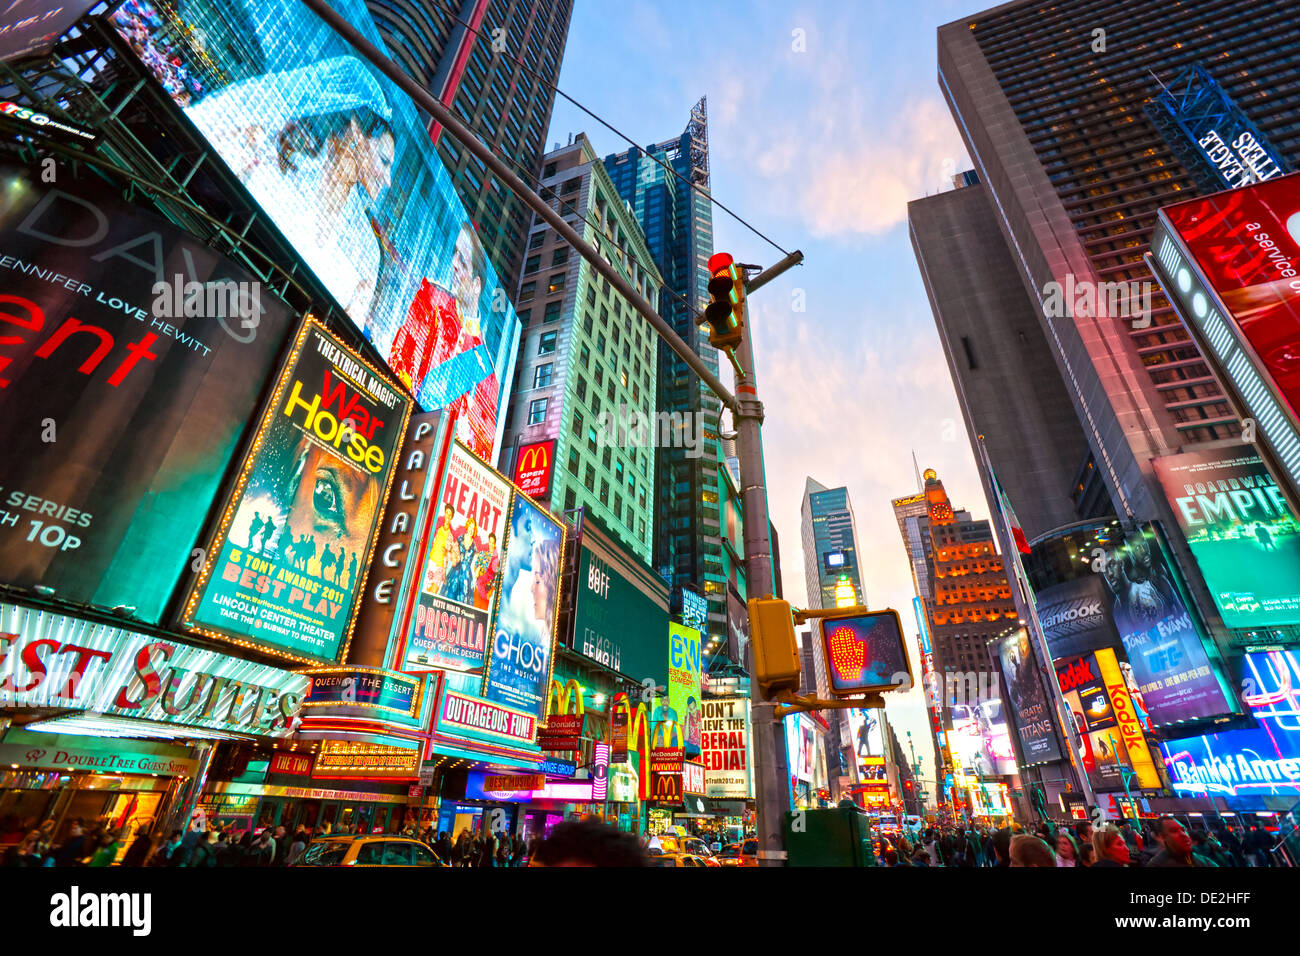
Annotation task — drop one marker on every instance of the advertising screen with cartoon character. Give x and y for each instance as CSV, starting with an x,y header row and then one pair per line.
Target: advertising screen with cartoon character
x,y
341,162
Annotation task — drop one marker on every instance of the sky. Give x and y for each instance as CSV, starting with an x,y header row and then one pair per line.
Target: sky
x,y
824,121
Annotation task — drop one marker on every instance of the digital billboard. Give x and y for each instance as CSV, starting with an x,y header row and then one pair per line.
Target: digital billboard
x,y
1161,637
1230,262
522,653
1247,767
616,622
342,163
118,420
1030,710
979,735
1242,532
462,567
684,696
285,568
1105,713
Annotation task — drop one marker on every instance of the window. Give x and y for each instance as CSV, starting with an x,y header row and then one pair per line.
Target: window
x,y
587,325
526,291
570,500
584,356
561,256
604,492
536,239
524,315
590,478
623,377
557,282
537,411
397,854
618,473
604,459
581,390
546,344
421,856
577,424
532,264
600,343
591,294
548,171
552,311
542,375
600,375
571,185
573,462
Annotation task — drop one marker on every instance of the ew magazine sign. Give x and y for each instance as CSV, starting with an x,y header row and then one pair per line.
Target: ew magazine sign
x,y
285,570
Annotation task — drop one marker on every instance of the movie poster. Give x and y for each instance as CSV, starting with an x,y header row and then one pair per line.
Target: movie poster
x,y
523,642
1241,531
462,567
286,568
120,415
1035,725
1104,715
341,161
1161,638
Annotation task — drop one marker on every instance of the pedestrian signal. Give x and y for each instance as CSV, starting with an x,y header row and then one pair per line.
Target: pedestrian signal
x,y
776,655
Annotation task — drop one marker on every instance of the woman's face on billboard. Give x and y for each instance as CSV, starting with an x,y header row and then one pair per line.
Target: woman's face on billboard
x,y
332,502
370,157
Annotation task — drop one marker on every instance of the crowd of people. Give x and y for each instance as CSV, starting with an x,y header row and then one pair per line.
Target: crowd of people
x,y
1160,843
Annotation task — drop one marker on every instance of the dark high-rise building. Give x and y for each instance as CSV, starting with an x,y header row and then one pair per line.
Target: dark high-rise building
x,y
666,185
467,53
1054,105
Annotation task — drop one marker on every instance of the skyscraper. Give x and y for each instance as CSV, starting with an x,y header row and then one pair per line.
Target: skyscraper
x,y
584,390
830,547
666,185
467,53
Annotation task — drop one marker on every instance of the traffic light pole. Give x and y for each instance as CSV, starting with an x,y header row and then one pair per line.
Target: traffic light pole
x,y
771,763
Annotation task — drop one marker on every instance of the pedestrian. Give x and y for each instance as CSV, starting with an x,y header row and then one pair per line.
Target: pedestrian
x,y
281,840
1176,846
921,857
1067,850
588,843
106,852
1031,851
222,852
463,849
172,852
203,854
505,846
1087,854
141,848
444,847
517,851
298,847
262,852
74,847
487,848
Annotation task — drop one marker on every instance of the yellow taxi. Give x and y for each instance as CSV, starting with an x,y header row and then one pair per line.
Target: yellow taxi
x,y
673,858
688,846
375,849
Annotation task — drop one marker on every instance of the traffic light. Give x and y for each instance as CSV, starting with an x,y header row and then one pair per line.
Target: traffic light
x,y
864,651
776,655
725,315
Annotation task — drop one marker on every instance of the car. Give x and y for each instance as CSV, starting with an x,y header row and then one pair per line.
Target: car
x,y
729,855
368,850
697,847
675,859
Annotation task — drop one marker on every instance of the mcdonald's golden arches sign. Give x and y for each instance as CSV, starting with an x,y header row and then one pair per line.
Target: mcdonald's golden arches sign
x,y
533,468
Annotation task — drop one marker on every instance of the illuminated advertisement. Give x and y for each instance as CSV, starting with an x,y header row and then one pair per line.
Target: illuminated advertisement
x,y
617,623
1242,532
342,163
523,642
1030,709
386,692
1247,766
1112,737
84,358
347,758
1076,616
53,661
1162,639
462,567
30,27
684,697
864,653
284,569
533,464
725,749
1230,262
980,737
470,716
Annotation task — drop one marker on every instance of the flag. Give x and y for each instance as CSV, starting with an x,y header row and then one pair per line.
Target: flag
x,y
1009,515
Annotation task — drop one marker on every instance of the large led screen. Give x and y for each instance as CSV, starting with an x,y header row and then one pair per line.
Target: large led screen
x,y
120,415
1242,532
338,158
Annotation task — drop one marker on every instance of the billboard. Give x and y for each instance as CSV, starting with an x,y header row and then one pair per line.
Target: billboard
x,y
342,163
522,655
1230,262
1105,714
1242,532
616,623
866,735
462,567
1030,710
1161,637
684,697
118,424
1075,616
284,570
533,466
30,27
725,748
1245,767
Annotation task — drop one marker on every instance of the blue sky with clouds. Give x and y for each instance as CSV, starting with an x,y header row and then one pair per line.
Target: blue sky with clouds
x,y
820,148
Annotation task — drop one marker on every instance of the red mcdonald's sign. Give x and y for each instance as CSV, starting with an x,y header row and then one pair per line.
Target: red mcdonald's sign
x,y
533,465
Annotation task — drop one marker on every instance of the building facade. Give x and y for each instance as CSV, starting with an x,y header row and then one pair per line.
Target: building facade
x,y
830,547
666,185
494,63
586,375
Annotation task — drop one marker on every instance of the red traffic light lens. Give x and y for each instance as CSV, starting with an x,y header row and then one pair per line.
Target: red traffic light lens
x,y
719,261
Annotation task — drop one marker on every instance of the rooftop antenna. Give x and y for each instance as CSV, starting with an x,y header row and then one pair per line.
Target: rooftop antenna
x,y
920,486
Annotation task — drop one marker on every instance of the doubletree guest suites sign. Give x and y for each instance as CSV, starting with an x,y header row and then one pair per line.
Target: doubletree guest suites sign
x,y
51,660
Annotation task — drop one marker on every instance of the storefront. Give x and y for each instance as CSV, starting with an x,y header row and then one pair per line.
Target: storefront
x,y
118,727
